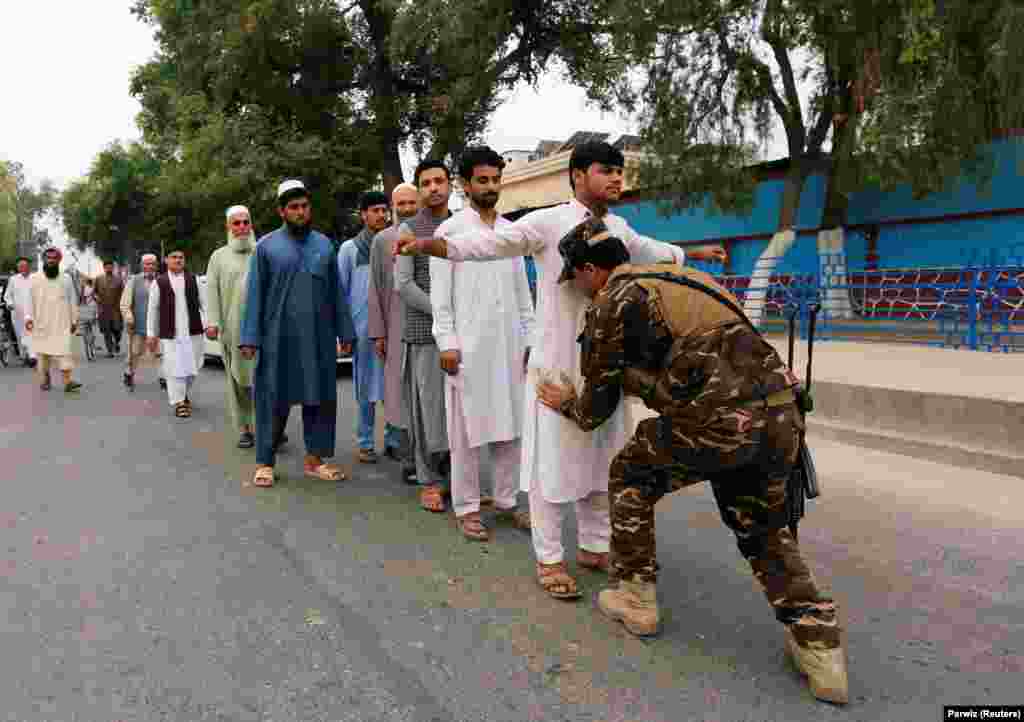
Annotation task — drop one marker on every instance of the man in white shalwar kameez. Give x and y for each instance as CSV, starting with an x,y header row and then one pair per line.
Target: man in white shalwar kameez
x,y
51,318
174,320
483,317
561,464
18,298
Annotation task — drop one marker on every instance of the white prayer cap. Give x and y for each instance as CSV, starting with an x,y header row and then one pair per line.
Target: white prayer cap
x,y
404,187
290,185
238,209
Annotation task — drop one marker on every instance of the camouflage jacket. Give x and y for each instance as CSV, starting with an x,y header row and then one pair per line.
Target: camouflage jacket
x,y
685,354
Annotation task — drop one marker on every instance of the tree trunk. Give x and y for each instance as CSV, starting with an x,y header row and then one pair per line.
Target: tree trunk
x,y
380,19
391,167
835,290
781,242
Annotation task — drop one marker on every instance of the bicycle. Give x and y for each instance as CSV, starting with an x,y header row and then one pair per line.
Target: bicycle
x,y
8,340
89,339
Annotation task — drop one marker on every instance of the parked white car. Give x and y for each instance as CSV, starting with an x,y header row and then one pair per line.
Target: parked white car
x,y
213,348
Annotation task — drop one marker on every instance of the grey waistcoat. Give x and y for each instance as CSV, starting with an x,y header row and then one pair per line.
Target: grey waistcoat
x,y
140,303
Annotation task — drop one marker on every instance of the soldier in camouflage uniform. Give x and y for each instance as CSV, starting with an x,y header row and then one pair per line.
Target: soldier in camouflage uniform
x,y
727,414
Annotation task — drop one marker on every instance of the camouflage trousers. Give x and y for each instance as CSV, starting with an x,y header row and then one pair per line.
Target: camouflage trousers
x,y
747,460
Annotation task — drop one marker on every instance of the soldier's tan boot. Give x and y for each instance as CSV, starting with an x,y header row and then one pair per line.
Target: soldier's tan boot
x,y
635,604
825,670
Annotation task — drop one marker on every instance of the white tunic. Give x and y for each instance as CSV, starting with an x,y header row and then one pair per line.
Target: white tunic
x,y
485,311
568,463
183,355
52,309
19,298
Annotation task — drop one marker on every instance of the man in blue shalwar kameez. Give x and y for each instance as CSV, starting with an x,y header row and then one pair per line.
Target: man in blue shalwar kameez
x,y
295,318
354,280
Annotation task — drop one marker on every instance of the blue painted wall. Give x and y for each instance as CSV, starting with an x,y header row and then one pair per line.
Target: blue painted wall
x,y
990,240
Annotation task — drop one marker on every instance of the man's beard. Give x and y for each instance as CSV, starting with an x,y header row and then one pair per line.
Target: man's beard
x,y
51,271
245,243
487,201
298,229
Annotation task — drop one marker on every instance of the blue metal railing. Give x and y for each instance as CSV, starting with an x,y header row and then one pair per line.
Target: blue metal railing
x,y
978,307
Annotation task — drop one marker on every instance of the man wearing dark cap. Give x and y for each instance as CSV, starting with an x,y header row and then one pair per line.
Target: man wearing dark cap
x,y
295,317
561,465
354,283
675,338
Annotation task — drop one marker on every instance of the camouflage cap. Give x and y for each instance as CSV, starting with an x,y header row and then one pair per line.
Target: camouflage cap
x,y
575,243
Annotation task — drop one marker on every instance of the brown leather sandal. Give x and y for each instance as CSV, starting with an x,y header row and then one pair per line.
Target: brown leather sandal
x,y
472,528
264,477
596,561
432,498
555,580
519,518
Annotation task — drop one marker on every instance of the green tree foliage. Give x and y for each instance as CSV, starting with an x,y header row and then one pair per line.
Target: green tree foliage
x,y
22,208
890,90
244,94
113,209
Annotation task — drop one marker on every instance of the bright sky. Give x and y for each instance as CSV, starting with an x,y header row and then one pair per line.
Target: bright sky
x,y
69,96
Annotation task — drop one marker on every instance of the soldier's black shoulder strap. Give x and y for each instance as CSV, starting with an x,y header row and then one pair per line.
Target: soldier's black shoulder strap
x,y
697,286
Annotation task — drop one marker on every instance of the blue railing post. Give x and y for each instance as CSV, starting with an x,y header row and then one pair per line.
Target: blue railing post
x,y
972,310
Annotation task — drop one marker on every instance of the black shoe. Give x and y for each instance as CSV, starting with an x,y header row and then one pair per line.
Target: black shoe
x,y
392,453
129,382
409,476
246,440
163,384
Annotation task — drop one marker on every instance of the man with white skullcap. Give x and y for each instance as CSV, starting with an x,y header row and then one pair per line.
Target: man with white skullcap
x,y
226,276
295,317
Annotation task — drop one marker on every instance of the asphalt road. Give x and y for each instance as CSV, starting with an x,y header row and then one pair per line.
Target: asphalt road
x,y
141,579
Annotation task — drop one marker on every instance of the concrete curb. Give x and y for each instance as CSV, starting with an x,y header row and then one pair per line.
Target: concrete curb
x,y
937,450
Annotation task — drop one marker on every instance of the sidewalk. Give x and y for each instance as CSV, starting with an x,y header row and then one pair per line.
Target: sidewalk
x,y
921,369
962,408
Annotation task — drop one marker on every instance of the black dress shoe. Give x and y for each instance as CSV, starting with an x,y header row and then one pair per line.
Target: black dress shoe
x,y
163,384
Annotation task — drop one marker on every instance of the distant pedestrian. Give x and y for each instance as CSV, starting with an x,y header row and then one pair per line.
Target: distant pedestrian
x,y
88,310
134,311
226,277
174,325
18,298
52,319
295,318
354,284
109,287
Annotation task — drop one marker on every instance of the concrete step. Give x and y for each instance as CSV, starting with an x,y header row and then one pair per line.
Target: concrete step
x,y
916,446
990,426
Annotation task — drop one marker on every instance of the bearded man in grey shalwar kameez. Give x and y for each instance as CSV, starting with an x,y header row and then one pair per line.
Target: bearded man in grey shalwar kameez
x,y
226,276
